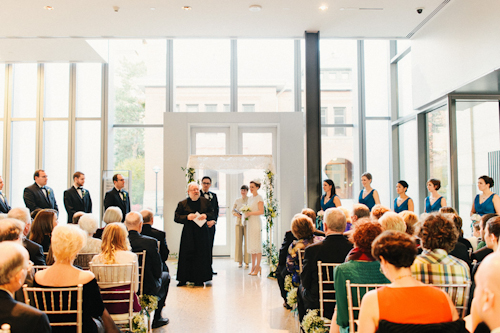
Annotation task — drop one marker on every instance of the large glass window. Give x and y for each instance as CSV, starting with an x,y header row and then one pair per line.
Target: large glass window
x,y
88,90
376,78
56,89
265,75
138,75
408,159
405,103
477,134
2,89
201,73
25,91
438,142
377,158
22,161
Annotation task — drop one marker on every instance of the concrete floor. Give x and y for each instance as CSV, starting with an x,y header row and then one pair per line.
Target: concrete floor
x,y
233,302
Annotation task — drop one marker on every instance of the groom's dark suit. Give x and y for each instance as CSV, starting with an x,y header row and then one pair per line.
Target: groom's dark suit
x,y
35,198
74,203
112,198
4,205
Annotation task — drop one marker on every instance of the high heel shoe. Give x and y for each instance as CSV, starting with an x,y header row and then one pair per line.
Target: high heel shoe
x,y
251,271
257,271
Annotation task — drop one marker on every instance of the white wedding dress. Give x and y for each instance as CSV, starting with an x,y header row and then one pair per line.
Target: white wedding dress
x,y
254,226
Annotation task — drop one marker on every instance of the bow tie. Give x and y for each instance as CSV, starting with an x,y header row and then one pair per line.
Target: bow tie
x,y
80,188
43,188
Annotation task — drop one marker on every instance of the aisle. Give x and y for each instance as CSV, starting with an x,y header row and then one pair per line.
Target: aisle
x,y
234,302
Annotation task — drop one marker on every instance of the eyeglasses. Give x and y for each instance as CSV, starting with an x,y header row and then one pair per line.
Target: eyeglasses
x,y
207,183
120,180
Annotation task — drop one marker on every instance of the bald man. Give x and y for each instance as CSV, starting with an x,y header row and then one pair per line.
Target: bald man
x,y
486,302
14,266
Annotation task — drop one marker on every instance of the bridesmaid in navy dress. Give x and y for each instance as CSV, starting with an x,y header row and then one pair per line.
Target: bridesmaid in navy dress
x,y
434,201
329,199
368,196
402,202
487,202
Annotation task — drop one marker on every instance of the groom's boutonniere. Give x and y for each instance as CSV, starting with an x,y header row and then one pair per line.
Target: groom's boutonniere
x,y
84,193
207,196
124,196
49,191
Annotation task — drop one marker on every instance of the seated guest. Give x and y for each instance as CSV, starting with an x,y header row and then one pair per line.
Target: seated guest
x,y
41,229
312,215
303,230
112,214
482,250
485,305
156,282
463,248
333,249
435,266
396,252
360,267
67,240
359,211
35,250
148,230
14,267
116,250
76,217
392,221
35,213
88,223
378,211
411,220
281,270
348,218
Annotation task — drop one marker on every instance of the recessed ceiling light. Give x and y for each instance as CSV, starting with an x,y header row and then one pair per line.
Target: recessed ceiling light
x,y
186,7
152,8
255,8
48,7
323,7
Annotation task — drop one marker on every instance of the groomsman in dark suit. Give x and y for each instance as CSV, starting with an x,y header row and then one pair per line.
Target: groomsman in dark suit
x,y
117,196
206,182
76,198
39,195
4,205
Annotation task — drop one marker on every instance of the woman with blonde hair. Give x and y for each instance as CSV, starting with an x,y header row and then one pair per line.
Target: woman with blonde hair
x,y
411,220
112,214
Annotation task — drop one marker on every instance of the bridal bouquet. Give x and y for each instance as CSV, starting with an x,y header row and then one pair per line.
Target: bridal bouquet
x,y
245,209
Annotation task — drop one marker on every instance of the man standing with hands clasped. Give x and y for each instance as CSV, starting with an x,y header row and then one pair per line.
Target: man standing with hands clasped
x,y
195,260
117,196
76,198
206,182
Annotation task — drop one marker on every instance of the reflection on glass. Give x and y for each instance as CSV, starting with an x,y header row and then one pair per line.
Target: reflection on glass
x,y
408,160
22,159
2,89
438,147
215,144
56,89
88,90
201,73
24,94
376,78
265,75
405,94
88,159
377,158
55,160
477,135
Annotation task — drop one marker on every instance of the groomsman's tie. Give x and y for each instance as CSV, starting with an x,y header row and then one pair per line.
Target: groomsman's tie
x,y
80,191
44,190
1,196
121,194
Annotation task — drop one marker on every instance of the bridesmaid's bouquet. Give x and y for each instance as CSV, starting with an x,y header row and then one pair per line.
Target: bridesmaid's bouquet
x,y
245,209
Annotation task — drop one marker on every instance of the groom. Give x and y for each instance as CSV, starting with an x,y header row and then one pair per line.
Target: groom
x,y
206,182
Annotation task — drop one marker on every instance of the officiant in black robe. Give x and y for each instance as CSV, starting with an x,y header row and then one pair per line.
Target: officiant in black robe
x,y
195,259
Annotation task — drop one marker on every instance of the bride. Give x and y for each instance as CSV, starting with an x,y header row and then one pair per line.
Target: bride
x,y
254,227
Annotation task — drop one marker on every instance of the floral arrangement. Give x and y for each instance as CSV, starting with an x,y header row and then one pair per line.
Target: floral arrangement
x,y
312,323
190,172
139,324
148,303
270,212
291,297
245,209
288,283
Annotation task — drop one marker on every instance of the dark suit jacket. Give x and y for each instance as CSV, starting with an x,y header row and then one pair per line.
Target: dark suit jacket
x,y
481,253
74,203
112,198
460,252
36,252
148,230
153,268
333,249
4,206
35,198
213,202
22,317
289,238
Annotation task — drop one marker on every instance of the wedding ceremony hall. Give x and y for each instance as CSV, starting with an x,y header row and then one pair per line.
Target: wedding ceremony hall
x,y
202,166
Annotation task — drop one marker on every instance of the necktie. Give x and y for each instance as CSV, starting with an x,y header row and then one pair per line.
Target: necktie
x,y
1,196
44,190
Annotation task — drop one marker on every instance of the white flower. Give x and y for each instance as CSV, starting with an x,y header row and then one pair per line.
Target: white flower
x,y
206,196
291,297
245,209
321,213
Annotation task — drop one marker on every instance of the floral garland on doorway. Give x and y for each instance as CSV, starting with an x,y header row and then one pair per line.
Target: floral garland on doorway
x,y
270,212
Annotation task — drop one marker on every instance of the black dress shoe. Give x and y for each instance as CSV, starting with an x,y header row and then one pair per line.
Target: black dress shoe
x,y
214,273
181,284
160,322
198,284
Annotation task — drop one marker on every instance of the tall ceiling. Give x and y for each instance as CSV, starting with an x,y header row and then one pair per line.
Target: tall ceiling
x,y
209,18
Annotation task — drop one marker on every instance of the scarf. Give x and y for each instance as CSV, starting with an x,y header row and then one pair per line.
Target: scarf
x,y
358,254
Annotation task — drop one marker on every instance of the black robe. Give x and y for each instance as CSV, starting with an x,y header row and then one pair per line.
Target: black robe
x,y
195,257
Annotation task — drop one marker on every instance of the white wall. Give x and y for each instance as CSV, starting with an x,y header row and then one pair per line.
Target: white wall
x,y
289,168
457,46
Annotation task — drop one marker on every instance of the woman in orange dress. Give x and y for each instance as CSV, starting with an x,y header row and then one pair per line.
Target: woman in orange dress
x,y
405,300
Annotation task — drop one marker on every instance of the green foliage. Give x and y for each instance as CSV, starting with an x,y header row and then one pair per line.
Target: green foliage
x,y
312,323
271,209
136,165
